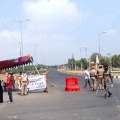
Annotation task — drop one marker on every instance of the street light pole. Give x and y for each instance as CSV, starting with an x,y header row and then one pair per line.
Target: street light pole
x,y
80,59
85,51
20,48
35,45
21,34
21,38
100,45
81,54
21,42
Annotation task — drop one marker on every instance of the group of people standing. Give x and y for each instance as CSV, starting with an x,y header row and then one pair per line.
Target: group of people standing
x,y
99,79
10,85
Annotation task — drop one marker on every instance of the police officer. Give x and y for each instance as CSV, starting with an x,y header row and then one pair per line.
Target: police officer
x,y
100,78
93,76
24,83
108,81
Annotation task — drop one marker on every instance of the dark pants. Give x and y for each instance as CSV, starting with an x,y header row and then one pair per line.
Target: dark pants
x,y
87,81
1,95
106,85
10,94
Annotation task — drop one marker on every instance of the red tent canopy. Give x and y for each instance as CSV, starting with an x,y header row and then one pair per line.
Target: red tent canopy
x,y
6,64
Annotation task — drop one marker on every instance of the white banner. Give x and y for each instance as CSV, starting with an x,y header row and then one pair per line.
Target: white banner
x,y
37,82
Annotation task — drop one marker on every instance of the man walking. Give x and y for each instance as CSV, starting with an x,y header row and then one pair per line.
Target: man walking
x,y
108,81
87,78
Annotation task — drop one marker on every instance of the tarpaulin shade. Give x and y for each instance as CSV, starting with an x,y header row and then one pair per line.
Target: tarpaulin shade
x,y
6,64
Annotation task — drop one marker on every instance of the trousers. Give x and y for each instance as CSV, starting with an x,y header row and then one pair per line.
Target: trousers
x,y
24,87
9,90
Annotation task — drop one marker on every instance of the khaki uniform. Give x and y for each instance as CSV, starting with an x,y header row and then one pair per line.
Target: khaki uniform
x,y
100,78
24,83
107,83
18,78
93,78
107,78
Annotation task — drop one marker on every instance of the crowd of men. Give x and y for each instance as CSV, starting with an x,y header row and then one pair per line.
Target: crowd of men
x,y
99,79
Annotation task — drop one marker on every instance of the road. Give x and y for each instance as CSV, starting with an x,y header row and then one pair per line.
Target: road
x,y
58,104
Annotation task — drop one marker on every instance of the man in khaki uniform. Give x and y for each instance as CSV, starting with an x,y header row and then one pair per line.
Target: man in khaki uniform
x,y
24,83
100,78
93,75
108,81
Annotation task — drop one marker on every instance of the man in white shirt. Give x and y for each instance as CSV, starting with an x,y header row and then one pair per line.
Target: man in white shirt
x,y
87,78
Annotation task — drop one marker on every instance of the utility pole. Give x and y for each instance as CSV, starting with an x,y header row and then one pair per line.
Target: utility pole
x,y
99,34
81,55
35,52
21,43
85,51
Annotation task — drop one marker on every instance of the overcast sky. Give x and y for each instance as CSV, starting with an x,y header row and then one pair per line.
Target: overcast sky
x,y
57,29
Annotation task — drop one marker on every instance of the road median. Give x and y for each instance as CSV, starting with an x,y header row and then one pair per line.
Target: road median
x,y
71,71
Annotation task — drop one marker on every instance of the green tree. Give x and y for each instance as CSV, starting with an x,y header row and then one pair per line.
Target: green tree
x,y
78,65
93,57
84,62
105,60
118,60
115,61
71,64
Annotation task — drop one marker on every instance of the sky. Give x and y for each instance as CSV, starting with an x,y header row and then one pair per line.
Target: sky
x,y
59,29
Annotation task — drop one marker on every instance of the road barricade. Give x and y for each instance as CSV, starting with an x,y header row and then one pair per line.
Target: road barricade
x,y
72,84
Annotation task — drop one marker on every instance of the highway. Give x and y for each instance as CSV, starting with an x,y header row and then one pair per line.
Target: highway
x,y
58,104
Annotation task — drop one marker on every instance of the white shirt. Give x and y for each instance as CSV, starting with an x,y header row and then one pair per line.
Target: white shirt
x,y
24,77
87,75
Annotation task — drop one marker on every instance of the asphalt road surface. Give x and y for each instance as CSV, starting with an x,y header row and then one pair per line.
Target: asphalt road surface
x,y
58,104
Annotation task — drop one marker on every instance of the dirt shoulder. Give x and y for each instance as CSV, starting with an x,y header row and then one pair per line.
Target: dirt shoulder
x,y
71,71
